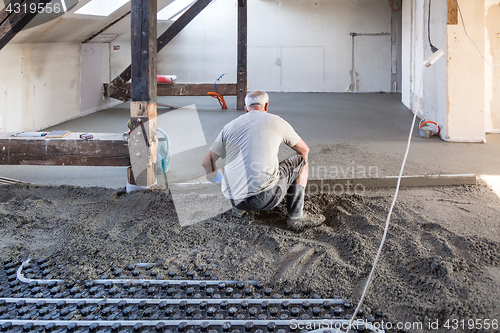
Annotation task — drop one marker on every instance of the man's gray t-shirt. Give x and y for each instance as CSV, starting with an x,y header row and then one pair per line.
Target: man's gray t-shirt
x,y
250,145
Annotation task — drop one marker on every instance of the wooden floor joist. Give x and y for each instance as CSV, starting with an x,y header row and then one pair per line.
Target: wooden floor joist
x,y
9,181
103,150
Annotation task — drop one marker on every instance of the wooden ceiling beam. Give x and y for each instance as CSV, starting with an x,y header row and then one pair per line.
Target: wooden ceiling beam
x,y
13,22
184,89
4,13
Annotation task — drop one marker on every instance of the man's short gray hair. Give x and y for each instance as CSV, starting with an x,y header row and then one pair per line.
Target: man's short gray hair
x,y
256,98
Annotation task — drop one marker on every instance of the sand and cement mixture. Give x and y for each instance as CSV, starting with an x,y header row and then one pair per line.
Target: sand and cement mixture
x,y
441,259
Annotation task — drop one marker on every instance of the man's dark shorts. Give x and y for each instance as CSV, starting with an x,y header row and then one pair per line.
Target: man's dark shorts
x,y
289,170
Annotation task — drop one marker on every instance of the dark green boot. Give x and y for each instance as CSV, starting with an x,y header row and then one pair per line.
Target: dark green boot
x,y
298,220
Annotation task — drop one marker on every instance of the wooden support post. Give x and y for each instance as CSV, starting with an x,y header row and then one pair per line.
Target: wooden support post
x,y
143,142
242,55
452,12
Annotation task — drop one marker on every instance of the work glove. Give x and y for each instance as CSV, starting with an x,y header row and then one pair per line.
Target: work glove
x,y
217,179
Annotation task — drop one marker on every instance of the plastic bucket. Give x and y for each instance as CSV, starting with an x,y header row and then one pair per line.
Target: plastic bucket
x,y
163,153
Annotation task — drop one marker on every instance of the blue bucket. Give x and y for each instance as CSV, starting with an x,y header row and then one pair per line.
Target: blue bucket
x,y
163,153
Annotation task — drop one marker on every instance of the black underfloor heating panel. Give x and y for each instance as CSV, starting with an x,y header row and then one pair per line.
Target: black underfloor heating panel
x,y
34,298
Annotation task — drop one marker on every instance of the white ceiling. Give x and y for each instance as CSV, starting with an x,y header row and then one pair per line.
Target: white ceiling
x,y
76,28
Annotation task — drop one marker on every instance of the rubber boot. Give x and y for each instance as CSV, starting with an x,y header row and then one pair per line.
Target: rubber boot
x,y
298,220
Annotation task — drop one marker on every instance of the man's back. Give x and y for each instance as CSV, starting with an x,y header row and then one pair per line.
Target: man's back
x,y
253,178
250,144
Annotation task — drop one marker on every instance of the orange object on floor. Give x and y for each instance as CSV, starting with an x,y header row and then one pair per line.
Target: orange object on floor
x,y
220,98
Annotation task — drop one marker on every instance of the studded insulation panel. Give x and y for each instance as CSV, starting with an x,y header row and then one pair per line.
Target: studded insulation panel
x,y
137,299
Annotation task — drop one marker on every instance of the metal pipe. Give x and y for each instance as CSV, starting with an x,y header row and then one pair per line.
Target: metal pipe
x,y
21,277
172,282
325,323
145,264
322,330
18,322
4,180
353,86
354,34
173,301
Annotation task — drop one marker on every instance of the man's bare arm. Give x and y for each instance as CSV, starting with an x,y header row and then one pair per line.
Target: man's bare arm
x,y
208,163
301,148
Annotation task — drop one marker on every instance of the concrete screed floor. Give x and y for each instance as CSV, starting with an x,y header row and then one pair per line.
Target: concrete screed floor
x,y
349,135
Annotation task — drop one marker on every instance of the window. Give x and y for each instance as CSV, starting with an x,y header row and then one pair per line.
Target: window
x,y
101,7
174,10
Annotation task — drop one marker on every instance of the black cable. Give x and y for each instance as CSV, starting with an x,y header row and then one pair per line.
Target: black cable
x,y
433,48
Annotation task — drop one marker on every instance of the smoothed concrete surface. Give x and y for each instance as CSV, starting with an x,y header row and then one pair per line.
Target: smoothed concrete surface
x,y
361,129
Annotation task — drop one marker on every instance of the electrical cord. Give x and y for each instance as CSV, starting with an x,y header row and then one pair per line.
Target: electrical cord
x,y
465,30
387,222
220,77
433,48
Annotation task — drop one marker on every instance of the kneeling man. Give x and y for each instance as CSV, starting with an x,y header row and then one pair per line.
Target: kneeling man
x,y
254,179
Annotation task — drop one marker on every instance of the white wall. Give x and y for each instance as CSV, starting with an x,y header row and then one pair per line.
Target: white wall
x,y
39,85
292,46
492,74
201,52
95,72
396,40
466,88
11,79
407,54
306,46
415,49
119,58
461,93
434,102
